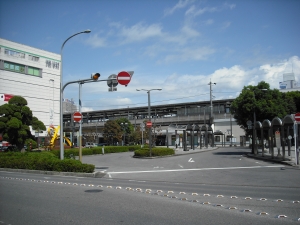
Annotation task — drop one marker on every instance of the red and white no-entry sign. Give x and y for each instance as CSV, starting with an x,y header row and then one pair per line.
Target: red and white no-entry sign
x,y
149,124
297,117
123,78
77,116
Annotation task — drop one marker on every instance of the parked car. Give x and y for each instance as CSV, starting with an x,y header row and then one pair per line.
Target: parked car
x,y
90,145
8,148
101,144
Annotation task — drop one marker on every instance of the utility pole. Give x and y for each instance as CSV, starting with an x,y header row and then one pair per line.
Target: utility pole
x,y
210,93
211,111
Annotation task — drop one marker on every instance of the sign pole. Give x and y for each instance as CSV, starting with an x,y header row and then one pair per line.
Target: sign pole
x,y
80,126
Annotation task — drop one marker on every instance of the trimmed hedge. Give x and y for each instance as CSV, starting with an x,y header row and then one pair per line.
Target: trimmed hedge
x,y
71,153
45,161
145,152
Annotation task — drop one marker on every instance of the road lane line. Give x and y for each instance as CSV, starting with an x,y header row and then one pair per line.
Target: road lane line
x,y
196,169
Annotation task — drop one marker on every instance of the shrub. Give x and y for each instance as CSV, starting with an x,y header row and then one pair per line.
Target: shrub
x,y
145,152
46,161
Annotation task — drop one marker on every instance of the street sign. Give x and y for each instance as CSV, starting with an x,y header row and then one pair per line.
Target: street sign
x,y
149,124
77,116
297,117
112,81
124,78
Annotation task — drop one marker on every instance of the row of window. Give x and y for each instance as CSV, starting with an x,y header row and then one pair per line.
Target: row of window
x,y
19,68
49,63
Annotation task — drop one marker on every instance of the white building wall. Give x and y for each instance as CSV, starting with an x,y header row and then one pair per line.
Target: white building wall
x,y
41,92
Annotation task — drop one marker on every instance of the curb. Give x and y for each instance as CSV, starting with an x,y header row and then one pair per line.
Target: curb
x,y
55,173
289,163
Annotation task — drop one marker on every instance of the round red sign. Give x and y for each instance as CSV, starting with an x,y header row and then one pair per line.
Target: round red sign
x,y
123,78
149,124
77,116
297,117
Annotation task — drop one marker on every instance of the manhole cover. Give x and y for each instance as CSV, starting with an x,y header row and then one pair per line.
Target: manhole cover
x,y
93,191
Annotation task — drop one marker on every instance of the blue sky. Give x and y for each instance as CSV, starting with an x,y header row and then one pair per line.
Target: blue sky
x,y
179,46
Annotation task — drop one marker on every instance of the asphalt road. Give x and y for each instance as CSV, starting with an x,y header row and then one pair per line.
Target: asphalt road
x,y
215,187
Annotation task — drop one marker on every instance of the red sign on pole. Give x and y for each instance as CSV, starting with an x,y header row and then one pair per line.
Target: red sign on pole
x,y
297,117
149,124
77,116
123,78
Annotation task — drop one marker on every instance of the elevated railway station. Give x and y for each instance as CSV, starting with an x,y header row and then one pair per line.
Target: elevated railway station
x,y
168,121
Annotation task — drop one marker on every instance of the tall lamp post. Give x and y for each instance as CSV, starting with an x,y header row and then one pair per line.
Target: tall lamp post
x,y
149,115
254,123
228,111
124,125
61,94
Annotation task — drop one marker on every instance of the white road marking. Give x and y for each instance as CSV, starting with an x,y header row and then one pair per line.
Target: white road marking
x,y
180,166
191,160
196,169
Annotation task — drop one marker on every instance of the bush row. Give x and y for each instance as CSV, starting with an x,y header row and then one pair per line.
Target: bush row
x,y
71,153
145,152
45,161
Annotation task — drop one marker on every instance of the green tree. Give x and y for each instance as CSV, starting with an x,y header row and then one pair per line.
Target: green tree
x,y
112,132
127,129
266,103
295,95
15,121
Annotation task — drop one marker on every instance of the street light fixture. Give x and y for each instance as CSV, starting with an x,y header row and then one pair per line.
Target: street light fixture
x,y
149,115
228,105
124,125
254,150
61,93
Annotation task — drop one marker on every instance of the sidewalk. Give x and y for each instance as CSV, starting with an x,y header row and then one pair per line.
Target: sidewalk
x,y
179,151
289,160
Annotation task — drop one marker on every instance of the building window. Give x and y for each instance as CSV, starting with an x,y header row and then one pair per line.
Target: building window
x,y
14,67
14,53
33,58
33,71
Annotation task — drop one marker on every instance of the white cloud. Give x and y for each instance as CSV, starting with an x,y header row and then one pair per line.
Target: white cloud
x,y
196,11
181,4
96,41
140,32
225,25
209,22
186,54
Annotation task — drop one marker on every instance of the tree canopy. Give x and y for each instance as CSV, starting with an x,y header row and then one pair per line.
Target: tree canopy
x,y
114,131
266,104
15,119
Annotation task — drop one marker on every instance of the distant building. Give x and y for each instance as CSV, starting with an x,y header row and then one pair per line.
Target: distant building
x,y
289,83
33,74
69,106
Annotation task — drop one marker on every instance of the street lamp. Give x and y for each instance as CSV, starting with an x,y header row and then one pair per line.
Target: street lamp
x,y
228,111
124,125
61,93
149,115
254,122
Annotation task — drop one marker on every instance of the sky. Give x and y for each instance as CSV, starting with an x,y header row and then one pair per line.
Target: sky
x,y
179,46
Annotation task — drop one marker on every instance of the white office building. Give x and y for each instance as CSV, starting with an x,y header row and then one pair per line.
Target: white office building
x,y
33,74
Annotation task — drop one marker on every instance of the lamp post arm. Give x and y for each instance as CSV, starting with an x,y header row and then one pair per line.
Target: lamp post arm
x,y
61,144
83,81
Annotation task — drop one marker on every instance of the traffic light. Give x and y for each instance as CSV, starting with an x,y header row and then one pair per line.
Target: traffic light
x,y
95,76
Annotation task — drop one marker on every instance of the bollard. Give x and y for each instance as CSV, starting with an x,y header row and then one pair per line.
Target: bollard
x,y
103,150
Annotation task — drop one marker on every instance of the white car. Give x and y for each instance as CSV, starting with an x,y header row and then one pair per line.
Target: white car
x,y
90,145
